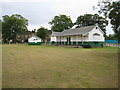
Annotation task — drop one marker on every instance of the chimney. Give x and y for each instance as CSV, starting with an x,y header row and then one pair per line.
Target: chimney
x,y
96,24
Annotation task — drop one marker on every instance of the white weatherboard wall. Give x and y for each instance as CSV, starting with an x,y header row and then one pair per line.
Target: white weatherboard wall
x,y
53,39
92,37
79,38
85,38
63,39
73,38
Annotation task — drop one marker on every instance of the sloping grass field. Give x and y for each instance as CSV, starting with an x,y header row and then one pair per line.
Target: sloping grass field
x,y
26,66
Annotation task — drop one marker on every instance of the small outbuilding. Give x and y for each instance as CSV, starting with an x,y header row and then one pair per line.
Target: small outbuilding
x,y
34,40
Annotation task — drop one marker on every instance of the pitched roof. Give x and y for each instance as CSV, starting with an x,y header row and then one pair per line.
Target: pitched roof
x,y
76,31
55,33
35,37
25,33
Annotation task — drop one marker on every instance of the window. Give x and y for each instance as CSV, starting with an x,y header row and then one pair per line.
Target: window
x,y
96,34
96,27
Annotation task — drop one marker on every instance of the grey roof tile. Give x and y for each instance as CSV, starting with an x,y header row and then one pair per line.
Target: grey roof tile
x,y
76,31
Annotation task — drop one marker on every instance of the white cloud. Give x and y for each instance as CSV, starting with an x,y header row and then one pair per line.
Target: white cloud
x,y
32,27
40,12
109,29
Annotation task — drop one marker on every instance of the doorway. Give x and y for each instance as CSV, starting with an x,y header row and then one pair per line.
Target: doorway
x,y
68,40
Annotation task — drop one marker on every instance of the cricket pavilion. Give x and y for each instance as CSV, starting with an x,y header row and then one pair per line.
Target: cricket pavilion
x,y
89,35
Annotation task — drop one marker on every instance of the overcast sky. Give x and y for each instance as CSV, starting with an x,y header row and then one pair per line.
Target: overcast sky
x,y
40,12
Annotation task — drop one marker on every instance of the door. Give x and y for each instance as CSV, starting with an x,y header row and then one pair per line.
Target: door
x,y
68,40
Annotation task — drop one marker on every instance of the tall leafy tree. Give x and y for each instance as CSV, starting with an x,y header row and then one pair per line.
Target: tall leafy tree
x,y
42,33
110,37
111,10
11,25
89,19
0,31
60,23
84,20
0,26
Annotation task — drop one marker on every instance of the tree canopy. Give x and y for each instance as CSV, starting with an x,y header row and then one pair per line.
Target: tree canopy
x,y
89,19
112,11
60,23
11,25
0,26
42,33
110,37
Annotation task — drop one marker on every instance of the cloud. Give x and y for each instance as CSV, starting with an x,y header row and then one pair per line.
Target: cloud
x,y
46,8
32,27
36,13
40,12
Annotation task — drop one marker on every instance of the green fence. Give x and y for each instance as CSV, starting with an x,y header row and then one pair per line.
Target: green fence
x,y
92,44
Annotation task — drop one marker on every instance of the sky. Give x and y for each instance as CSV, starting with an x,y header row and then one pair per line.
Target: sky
x,y
41,12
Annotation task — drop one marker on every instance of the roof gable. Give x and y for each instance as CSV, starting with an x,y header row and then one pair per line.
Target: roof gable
x,y
34,37
100,29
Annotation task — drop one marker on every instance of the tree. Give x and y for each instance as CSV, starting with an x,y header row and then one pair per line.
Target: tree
x,y
42,33
110,37
84,20
11,25
0,26
34,30
0,31
111,10
89,19
60,23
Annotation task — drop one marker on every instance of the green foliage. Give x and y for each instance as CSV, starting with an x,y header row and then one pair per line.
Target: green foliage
x,y
110,37
112,11
0,31
85,20
11,25
60,23
0,26
114,16
89,19
42,33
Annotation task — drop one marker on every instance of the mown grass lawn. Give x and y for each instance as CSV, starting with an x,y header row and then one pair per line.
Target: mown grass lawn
x,y
27,66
